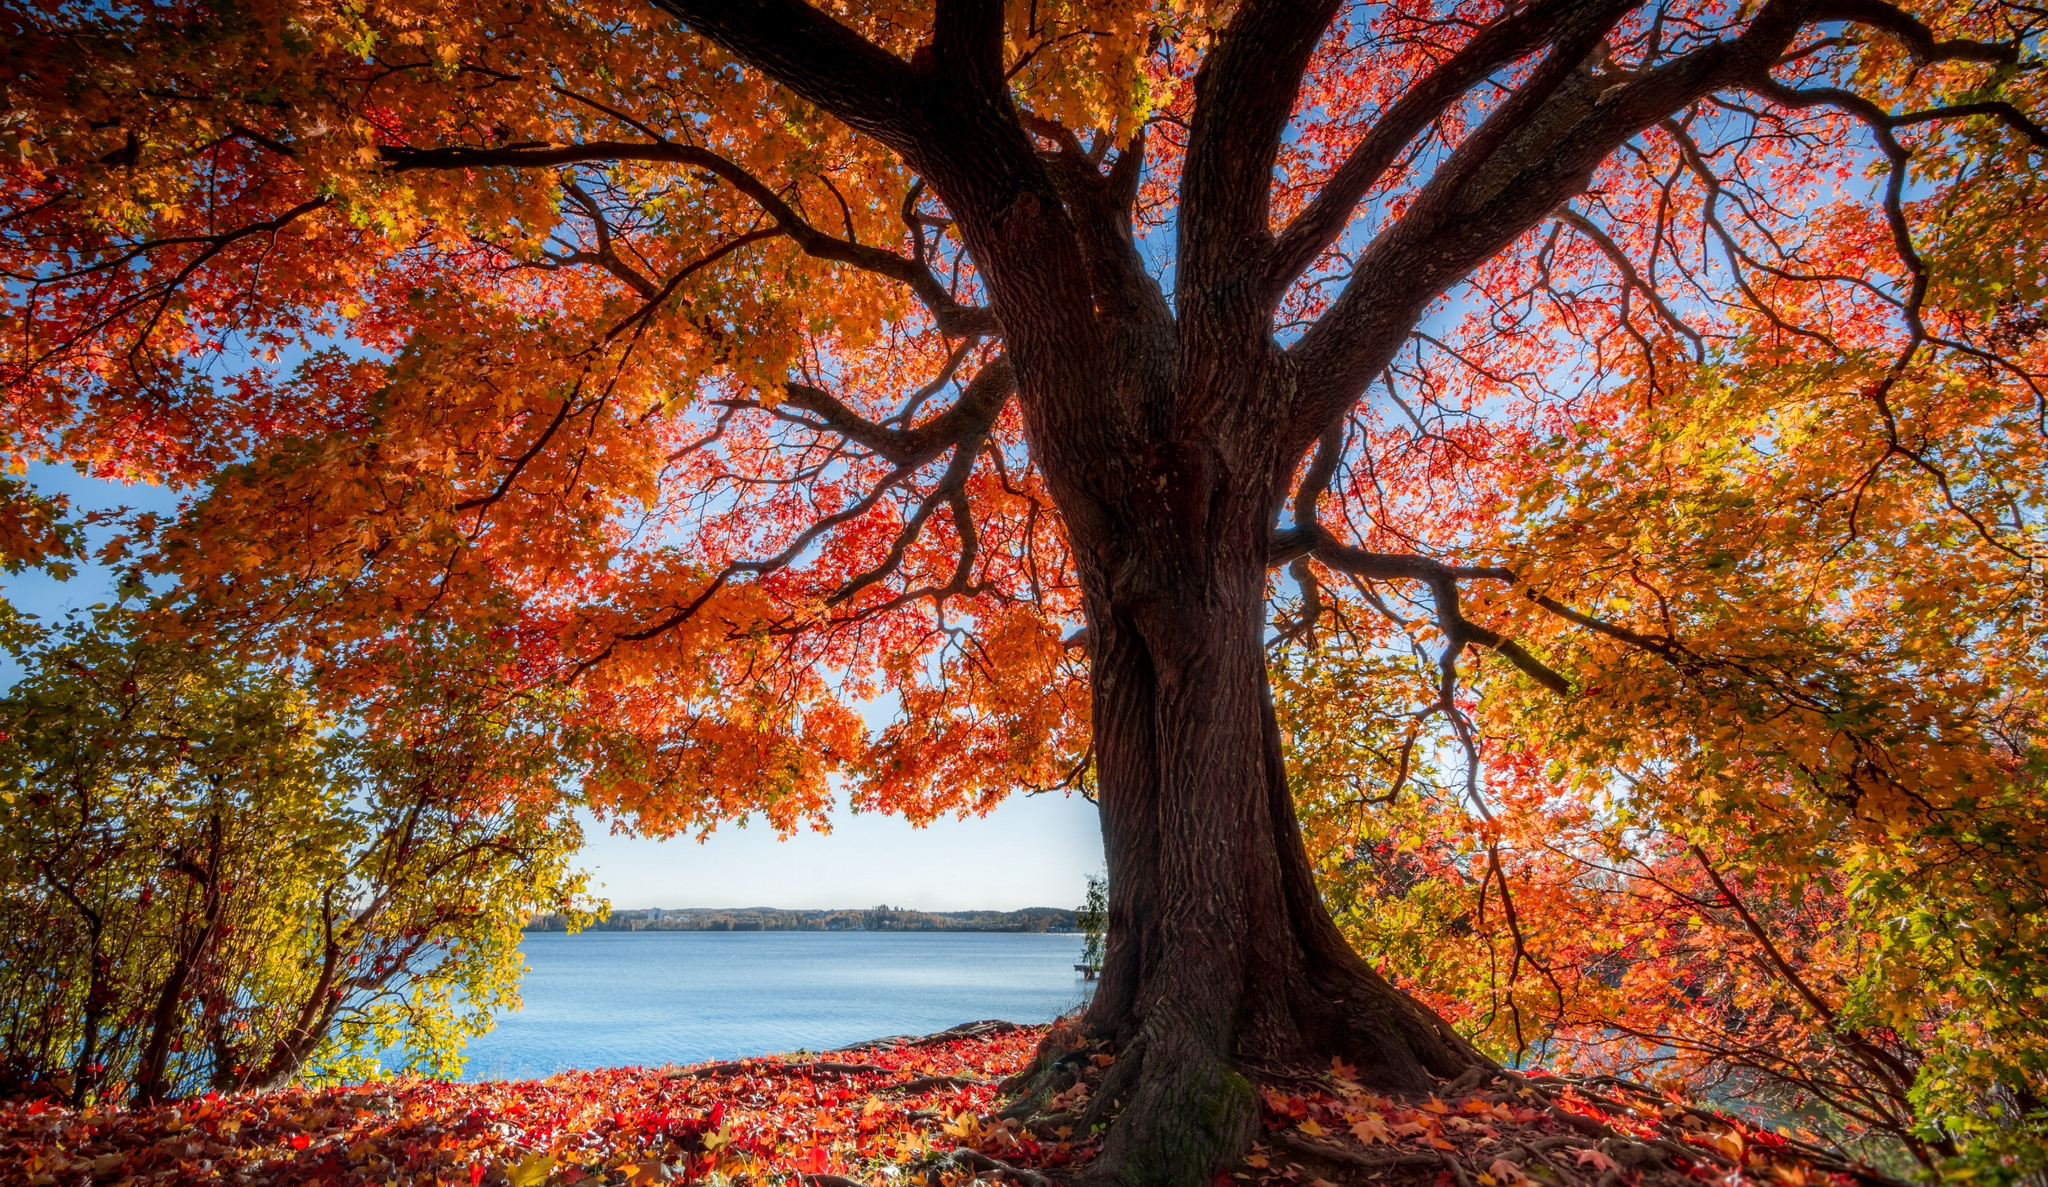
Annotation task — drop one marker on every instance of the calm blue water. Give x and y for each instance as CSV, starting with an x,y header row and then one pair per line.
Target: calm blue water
x,y
615,999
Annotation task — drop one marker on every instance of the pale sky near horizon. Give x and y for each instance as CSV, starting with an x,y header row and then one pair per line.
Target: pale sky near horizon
x,y
1032,851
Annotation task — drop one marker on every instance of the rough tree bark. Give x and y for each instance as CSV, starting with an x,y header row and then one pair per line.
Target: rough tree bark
x,y
1220,953
1171,433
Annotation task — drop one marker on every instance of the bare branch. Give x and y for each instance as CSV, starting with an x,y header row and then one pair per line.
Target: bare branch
x,y
953,318
968,418
1630,276
1442,580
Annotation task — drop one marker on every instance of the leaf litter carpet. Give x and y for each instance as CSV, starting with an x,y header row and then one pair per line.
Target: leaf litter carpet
x,y
900,1111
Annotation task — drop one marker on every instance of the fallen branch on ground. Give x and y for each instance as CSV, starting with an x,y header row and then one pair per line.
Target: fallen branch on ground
x,y
927,1083
816,1067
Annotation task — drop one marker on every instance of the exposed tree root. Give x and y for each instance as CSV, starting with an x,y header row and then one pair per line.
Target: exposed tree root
x,y
1350,1157
1677,1120
982,1164
1486,1128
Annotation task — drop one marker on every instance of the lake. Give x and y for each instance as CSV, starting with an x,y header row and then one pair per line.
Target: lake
x,y
615,998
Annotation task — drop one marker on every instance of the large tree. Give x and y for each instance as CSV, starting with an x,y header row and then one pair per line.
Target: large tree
x,y
742,361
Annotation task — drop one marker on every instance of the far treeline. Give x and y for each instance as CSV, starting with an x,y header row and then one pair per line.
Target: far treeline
x,y
1038,919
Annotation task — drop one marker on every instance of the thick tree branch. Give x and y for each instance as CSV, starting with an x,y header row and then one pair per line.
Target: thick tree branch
x,y
968,419
1314,485
2006,113
949,491
1919,39
1477,206
1600,626
1100,207
1243,95
1321,223
817,57
966,49
964,138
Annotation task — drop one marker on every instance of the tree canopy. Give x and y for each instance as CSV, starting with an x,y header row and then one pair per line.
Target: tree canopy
x,y
1038,368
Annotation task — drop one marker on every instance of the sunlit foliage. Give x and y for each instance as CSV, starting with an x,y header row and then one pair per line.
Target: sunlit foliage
x,y
1707,406
206,883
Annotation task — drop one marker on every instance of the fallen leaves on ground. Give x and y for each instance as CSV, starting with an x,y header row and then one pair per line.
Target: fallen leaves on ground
x,y
1521,1131
754,1121
905,1110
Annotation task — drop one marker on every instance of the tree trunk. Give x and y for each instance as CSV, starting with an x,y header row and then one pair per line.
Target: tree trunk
x,y
167,1018
1221,956
289,1051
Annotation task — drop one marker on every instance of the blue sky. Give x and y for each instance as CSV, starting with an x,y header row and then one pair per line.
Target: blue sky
x,y
1033,851
1030,852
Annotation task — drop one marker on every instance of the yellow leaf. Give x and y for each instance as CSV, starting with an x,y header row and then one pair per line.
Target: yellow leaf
x,y
1312,1129
530,1171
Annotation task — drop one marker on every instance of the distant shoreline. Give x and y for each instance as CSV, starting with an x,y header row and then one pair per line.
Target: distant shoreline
x,y
1030,919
